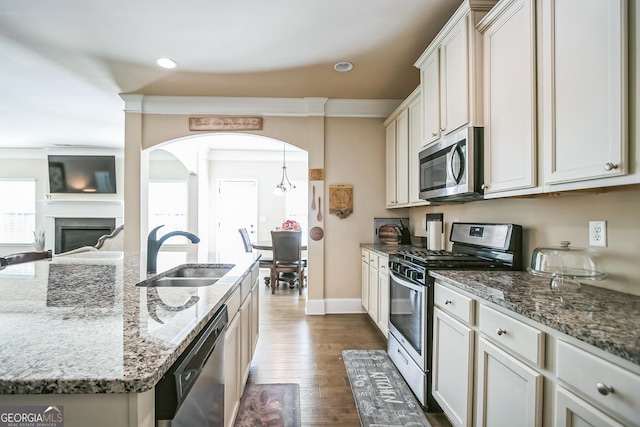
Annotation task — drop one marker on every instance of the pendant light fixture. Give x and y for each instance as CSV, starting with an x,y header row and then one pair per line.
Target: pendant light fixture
x,y
285,185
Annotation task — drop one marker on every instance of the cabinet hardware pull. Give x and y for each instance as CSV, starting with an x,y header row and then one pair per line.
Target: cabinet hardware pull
x,y
609,166
501,331
484,186
442,130
604,389
434,134
447,302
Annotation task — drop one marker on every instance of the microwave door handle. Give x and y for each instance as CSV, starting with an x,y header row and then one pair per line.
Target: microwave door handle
x,y
456,154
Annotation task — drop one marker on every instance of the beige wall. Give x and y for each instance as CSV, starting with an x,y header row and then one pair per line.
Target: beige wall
x,y
355,155
550,219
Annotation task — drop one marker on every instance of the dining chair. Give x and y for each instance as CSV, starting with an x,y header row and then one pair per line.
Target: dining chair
x,y
263,262
287,258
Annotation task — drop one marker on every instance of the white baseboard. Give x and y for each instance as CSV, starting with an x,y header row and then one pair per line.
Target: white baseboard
x,y
335,306
344,306
315,307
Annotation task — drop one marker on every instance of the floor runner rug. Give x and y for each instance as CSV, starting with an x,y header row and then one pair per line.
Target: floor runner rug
x,y
382,396
273,405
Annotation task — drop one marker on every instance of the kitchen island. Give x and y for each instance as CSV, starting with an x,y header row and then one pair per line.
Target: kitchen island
x,y
76,332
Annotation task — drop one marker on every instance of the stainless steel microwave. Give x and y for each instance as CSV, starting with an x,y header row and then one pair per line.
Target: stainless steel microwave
x,y
451,170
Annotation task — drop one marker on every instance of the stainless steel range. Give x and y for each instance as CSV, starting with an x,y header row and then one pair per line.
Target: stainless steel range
x,y
476,246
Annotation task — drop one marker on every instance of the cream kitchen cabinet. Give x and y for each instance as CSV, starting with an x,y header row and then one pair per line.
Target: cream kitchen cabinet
x,y
403,144
397,158
451,74
232,385
240,341
364,295
509,393
611,390
453,368
584,53
523,373
383,294
375,288
510,137
571,411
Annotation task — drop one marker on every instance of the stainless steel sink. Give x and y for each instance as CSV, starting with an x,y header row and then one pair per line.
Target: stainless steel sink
x,y
198,272
189,276
182,282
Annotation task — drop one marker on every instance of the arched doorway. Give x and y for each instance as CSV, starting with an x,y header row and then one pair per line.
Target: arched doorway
x,y
231,179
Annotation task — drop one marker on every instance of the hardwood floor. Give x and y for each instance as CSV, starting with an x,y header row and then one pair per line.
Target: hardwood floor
x,y
307,350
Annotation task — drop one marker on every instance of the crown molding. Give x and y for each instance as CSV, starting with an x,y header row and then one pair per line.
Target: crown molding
x,y
295,107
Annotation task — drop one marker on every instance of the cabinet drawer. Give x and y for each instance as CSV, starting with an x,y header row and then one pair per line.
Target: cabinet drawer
x,y
513,335
383,264
365,256
589,375
373,260
233,304
255,272
454,303
245,287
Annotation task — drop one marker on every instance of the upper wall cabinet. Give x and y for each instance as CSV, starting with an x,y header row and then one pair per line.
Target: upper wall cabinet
x,y
584,85
509,48
401,130
451,73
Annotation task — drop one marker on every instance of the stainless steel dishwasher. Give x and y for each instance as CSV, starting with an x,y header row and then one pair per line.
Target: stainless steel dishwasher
x,y
191,393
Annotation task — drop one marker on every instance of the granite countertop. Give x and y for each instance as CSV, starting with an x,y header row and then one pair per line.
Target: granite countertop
x,y
606,319
388,249
78,324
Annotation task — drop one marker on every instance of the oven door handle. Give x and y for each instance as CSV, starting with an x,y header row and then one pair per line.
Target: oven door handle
x,y
399,280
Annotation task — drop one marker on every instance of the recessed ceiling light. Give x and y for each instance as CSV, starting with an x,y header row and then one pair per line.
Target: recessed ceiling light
x,y
343,66
166,63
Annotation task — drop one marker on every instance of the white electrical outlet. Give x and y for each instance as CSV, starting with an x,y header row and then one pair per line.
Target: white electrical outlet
x,y
598,233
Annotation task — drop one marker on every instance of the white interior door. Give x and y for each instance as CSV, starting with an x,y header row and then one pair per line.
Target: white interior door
x,y
236,207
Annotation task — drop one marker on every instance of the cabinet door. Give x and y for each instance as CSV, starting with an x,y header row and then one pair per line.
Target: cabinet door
x,y
383,301
571,411
365,281
510,99
390,157
584,53
415,146
453,368
430,82
245,341
373,294
255,317
509,393
454,78
402,158
231,371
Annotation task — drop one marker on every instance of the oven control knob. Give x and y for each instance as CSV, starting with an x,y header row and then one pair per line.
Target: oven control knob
x,y
419,276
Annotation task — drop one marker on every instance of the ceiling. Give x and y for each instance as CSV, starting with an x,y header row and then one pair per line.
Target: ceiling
x,y
64,63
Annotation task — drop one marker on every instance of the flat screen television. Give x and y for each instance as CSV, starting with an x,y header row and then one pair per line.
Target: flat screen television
x,y
82,174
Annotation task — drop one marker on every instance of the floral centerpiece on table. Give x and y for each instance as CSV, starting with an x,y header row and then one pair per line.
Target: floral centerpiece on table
x,y
291,225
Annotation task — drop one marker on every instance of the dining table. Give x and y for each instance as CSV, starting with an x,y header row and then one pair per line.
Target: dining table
x,y
267,245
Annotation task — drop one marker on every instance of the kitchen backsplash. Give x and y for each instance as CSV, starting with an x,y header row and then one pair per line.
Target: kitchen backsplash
x,y
549,219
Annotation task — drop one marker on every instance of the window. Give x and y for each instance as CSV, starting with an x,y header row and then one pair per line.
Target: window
x,y
296,202
17,211
168,202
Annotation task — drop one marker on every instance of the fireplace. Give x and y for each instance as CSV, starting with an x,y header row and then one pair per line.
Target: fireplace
x,y
73,233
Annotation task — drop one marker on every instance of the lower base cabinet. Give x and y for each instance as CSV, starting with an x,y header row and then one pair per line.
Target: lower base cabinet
x,y
509,393
453,368
571,411
240,342
232,371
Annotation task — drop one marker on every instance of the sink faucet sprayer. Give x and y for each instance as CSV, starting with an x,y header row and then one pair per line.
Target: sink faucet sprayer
x,y
153,245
